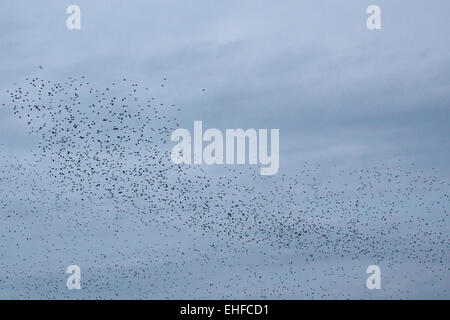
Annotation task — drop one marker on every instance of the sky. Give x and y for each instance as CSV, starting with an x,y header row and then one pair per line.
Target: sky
x,y
344,98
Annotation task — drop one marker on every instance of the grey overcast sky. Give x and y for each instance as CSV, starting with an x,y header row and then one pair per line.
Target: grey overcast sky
x,y
344,98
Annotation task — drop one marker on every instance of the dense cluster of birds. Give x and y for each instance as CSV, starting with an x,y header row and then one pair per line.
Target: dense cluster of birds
x,y
98,189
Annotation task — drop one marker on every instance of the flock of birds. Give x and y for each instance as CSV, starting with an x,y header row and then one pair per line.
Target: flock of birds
x,y
98,189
